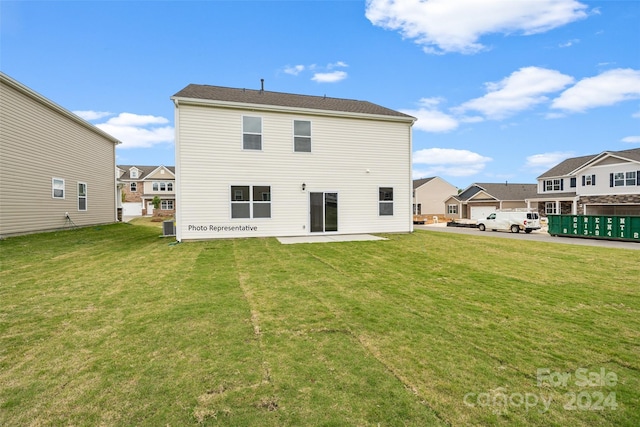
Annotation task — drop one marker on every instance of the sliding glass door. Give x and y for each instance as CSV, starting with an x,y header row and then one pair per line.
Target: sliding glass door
x,y
323,208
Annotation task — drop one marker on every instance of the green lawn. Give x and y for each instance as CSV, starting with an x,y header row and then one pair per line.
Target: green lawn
x,y
114,325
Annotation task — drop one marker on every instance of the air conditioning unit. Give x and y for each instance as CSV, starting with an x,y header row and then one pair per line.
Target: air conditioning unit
x,y
168,228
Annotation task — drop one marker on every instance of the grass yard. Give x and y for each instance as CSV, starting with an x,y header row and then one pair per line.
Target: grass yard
x,y
113,325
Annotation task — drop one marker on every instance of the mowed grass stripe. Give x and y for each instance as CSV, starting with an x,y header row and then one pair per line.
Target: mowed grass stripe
x,y
113,325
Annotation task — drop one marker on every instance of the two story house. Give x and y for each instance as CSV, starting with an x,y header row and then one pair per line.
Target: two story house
x,y
56,169
255,163
428,195
601,184
139,185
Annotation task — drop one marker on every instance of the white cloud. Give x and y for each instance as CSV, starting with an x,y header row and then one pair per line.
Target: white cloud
x,y
430,119
442,26
522,90
545,161
608,88
448,161
92,115
569,43
632,139
332,77
138,131
323,74
636,115
340,64
295,70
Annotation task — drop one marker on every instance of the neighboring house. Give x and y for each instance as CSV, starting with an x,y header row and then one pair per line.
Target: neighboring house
x,y
56,169
481,199
254,163
141,184
428,195
601,184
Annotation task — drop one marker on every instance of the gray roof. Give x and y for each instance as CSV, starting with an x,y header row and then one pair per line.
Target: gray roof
x,y
500,191
144,171
420,182
569,165
267,98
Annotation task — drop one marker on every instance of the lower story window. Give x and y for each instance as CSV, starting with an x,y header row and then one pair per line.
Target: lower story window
x,y
166,205
417,209
57,188
452,209
82,196
550,208
385,201
250,201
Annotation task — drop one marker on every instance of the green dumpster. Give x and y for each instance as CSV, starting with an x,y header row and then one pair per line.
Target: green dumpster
x,y
596,226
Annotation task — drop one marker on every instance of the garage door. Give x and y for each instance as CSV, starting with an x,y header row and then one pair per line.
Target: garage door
x,y
132,209
478,212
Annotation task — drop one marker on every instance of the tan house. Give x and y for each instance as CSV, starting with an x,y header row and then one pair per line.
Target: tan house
x,y
139,185
428,195
481,199
56,169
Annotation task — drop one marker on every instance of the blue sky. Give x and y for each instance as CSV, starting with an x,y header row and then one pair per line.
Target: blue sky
x,y
502,89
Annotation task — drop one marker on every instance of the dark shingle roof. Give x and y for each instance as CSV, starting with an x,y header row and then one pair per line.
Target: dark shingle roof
x,y
419,182
144,170
266,98
569,165
501,191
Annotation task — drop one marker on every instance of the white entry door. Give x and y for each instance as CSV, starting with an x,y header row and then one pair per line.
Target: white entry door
x,y
149,208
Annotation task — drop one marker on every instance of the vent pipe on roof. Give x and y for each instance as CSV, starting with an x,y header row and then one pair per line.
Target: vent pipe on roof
x,y
261,85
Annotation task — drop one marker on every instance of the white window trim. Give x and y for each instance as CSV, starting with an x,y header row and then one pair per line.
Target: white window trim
x,y
251,201
293,124
252,133
85,197
53,188
553,210
392,201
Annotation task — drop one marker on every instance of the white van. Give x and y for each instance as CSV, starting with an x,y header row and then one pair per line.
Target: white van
x,y
513,221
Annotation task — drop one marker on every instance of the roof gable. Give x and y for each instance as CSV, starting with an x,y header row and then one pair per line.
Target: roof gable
x,y
420,182
144,171
239,97
161,172
573,165
499,191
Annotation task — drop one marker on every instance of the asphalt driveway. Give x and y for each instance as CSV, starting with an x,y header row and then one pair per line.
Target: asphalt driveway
x,y
539,236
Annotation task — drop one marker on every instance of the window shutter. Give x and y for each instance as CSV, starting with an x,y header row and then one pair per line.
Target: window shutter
x,y
561,184
638,178
610,180
544,185
583,179
593,180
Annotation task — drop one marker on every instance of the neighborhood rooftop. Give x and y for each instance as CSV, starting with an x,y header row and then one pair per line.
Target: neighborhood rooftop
x,y
267,98
569,165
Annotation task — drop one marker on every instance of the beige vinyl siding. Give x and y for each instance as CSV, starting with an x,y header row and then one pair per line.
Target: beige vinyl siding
x,y
211,159
38,144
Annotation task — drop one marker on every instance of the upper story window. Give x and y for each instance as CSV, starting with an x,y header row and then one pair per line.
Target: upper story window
x,y
57,188
553,185
249,201
82,196
162,186
588,180
302,136
621,179
133,173
133,187
572,182
385,201
251,133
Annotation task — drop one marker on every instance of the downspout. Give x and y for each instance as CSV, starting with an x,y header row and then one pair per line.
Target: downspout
x,y
178,192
